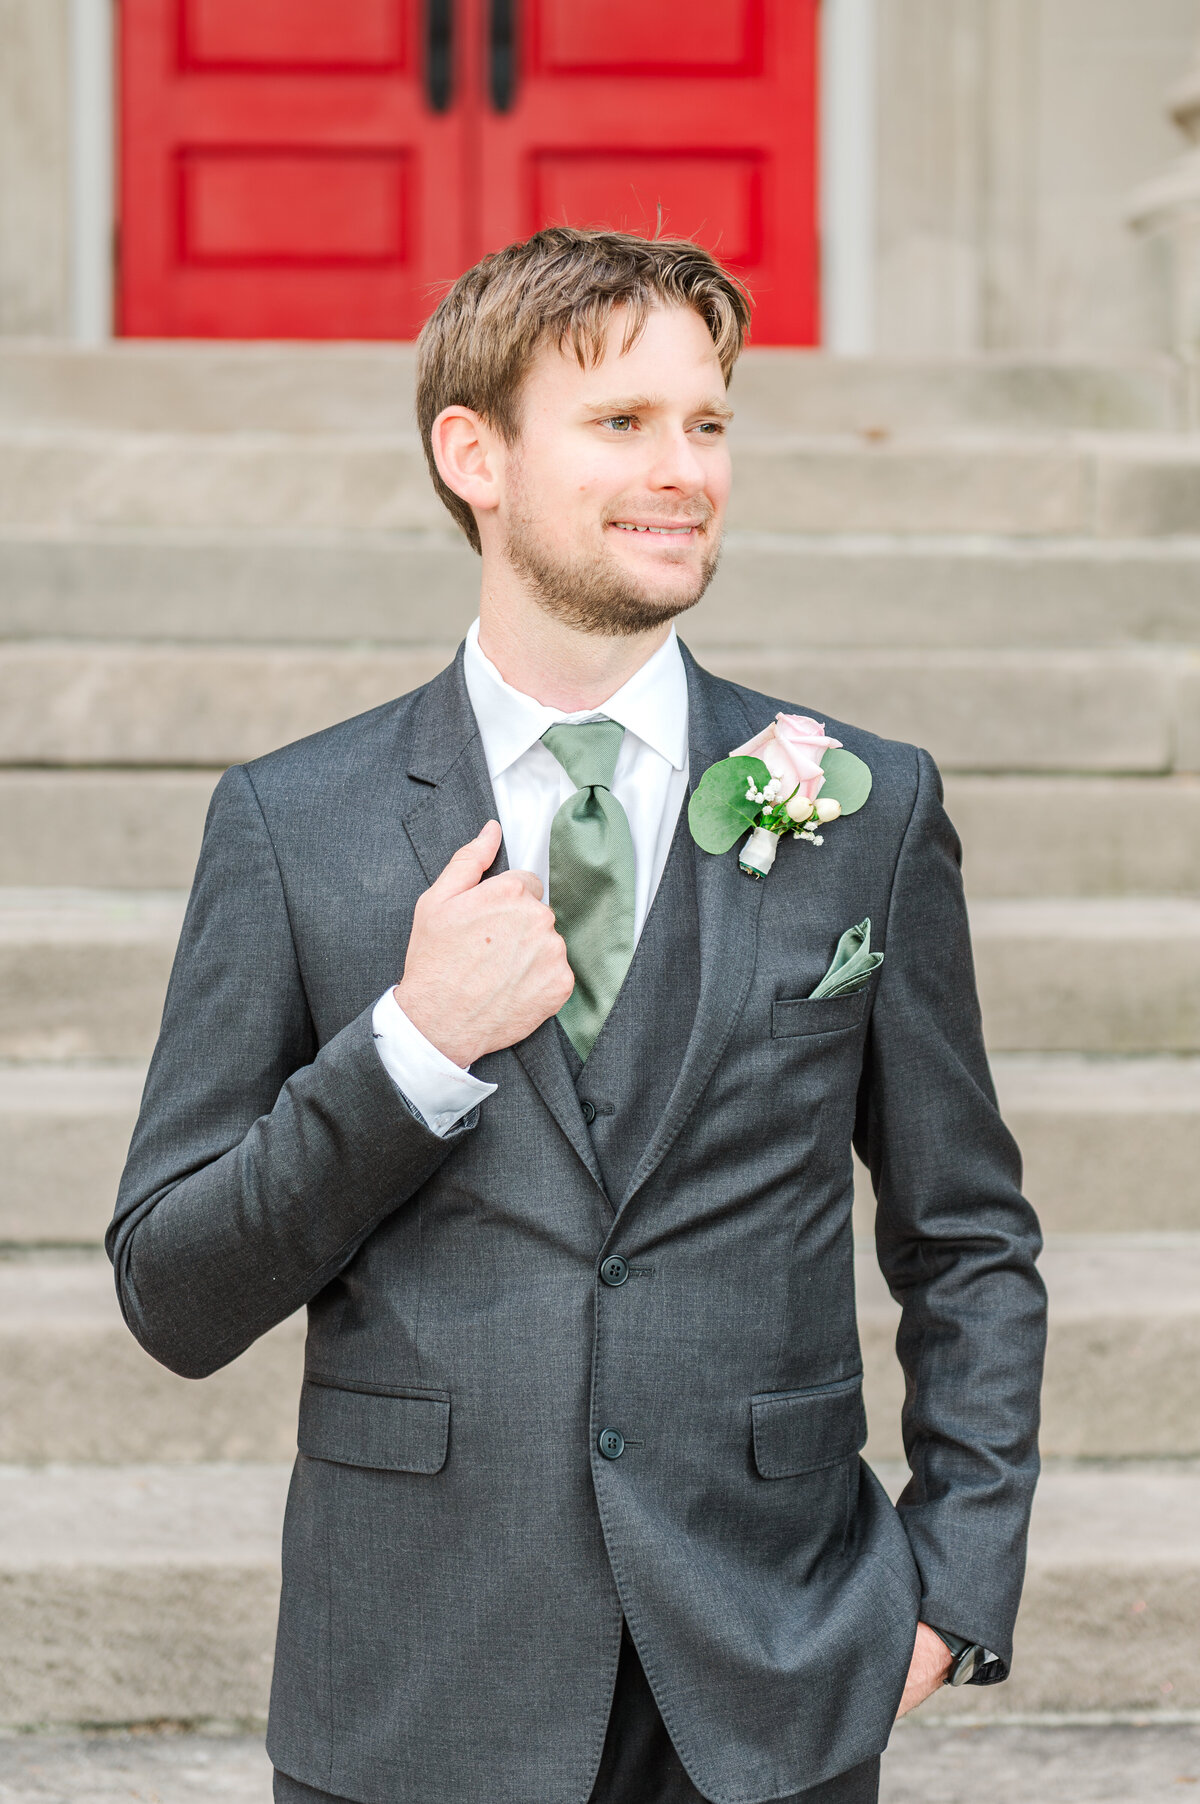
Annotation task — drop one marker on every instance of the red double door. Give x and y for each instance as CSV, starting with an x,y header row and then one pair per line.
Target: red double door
x,y
324,168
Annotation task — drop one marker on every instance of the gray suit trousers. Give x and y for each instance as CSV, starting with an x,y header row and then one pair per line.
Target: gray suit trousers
x,y
639,1764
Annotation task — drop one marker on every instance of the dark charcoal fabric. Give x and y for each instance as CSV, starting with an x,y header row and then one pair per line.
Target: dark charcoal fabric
x,y
633,1067
458,1555
639,1765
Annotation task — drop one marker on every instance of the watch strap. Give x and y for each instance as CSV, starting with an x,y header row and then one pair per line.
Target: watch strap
x,y
968,1656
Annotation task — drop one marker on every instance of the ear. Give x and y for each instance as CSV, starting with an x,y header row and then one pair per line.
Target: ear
x,y
468,456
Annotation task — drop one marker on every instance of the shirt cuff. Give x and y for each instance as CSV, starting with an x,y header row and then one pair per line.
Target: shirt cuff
x,y
440,1091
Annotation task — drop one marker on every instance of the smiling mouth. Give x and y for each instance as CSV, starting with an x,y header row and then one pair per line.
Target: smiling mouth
x,y
670,532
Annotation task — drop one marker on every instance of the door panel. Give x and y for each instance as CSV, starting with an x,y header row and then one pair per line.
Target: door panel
x,y
717,199
286,172
631,37
292,34
284,175
705,109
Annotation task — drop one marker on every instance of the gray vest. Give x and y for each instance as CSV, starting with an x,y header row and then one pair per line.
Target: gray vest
x,y
630,1072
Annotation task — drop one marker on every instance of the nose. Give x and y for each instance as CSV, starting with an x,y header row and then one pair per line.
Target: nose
x,y
676,464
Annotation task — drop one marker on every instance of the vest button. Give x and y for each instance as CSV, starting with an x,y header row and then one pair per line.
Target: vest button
x,y
614,1271
611,1443
589,1112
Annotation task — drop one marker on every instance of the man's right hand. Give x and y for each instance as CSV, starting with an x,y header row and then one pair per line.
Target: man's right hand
x,y
485,965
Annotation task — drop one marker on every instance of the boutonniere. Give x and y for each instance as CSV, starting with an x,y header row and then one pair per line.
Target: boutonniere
x,y
790,778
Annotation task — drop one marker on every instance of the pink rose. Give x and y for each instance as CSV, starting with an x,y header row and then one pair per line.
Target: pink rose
x,y
792,748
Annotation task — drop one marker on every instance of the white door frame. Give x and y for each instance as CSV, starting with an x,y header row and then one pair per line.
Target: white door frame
x,y
846,99
848,107
93,118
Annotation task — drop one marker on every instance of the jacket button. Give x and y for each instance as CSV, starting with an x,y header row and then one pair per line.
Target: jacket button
x,y
614,1271
611,1443
589,1112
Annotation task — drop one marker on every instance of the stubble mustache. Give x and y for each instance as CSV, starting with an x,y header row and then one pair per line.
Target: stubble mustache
x,y
588,592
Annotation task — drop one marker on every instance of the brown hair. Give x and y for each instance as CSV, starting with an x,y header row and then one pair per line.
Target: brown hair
x,y
560,285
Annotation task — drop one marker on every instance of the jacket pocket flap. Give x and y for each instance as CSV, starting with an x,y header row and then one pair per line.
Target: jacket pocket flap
x,y
827,1015
362,1428
800,1431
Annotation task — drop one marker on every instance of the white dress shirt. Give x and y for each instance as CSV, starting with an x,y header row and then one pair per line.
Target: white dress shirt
x,y
530,786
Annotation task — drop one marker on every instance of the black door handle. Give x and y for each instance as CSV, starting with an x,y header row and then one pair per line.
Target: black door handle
x,y
502,54
439,54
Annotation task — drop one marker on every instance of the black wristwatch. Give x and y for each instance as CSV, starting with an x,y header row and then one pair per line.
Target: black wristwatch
x,y
970,1657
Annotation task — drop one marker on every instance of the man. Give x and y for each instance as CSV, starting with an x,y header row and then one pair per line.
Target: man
x,y
578,1511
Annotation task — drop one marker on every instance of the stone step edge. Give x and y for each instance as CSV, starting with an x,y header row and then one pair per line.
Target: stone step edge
x,y
68,1490
40,910
755,436
971,547
1033,1082
1090,1537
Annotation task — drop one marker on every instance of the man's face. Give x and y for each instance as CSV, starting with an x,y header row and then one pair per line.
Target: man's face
x,y
615,492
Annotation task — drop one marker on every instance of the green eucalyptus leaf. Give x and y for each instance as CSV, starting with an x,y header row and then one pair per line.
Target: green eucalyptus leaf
x,y
847,780
719,812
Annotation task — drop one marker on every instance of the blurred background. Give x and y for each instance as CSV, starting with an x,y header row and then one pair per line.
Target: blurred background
x,y
967,514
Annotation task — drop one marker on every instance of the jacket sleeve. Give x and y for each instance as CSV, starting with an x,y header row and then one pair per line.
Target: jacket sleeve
x,y
957,1244
258,1165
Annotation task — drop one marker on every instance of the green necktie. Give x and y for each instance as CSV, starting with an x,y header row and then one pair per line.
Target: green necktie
x,y
591,876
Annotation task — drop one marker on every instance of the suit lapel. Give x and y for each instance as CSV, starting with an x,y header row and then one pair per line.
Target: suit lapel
x,y
457,800
728,903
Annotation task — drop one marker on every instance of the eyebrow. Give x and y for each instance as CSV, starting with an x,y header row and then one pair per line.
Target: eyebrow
x,y
650,403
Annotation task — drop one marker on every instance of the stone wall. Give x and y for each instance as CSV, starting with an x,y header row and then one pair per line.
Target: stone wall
x,y
34,168
1011,136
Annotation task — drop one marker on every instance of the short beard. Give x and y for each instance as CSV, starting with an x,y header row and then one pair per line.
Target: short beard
x,y
587,593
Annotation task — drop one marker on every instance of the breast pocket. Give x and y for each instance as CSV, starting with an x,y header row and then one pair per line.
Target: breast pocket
x,y
795,1015
406,1432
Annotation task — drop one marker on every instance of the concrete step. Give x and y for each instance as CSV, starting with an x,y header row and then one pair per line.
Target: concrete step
x,y
127,830
74,1385
927,1762
1089,975
82,974
1111,1599
1022,836
64,1132
166,1764
1110,1145
138,1593
772,588
346,387
1108,486
1084,1760
148,1593
1076,836
1121,1359
1046,710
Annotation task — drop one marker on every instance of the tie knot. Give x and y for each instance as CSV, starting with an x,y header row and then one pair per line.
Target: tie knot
x,y
587,751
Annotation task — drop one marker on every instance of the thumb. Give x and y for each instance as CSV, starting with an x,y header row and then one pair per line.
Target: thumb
x,y
469,863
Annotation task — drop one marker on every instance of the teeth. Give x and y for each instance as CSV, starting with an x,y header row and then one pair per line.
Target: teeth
x,y
625,526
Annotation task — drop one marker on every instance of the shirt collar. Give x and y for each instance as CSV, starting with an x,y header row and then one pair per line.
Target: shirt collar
x,y
653,704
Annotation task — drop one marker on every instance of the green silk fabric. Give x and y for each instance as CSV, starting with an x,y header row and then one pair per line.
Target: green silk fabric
x,y
591,876
853,963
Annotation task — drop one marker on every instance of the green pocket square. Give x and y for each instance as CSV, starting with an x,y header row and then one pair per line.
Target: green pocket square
x,y
853,963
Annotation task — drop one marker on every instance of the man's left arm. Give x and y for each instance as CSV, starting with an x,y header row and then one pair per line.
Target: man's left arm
x,y
957,1243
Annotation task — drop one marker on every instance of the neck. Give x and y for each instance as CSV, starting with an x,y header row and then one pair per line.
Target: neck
x,y
553,662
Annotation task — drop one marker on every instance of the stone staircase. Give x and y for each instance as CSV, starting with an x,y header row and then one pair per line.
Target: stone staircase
x,y
206,551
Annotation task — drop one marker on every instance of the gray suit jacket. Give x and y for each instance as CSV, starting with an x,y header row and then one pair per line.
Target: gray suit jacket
x,y
458,1554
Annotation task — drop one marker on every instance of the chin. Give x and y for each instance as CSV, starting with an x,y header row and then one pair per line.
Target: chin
x,y
605,591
